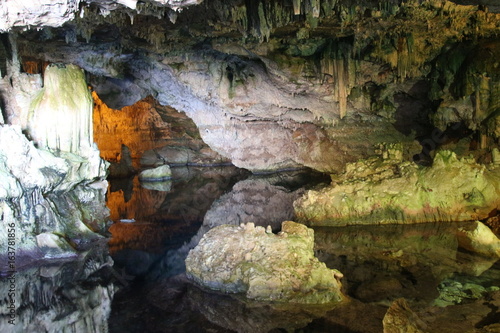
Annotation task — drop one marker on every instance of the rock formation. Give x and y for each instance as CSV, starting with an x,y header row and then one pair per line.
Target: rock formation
x,y
401,319
160,173
52,187
263,265
278,84
69,295
379,191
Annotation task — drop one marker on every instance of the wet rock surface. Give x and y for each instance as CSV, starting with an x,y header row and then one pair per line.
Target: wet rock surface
x,y
378,191
60,296
52,189
263,265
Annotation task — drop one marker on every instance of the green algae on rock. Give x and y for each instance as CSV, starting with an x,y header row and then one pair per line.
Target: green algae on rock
x,y
381,191
265,266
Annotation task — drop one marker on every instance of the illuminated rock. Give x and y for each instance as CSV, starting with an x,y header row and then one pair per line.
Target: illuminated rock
x,y
400,318
264,266
156,174
375,191
478,238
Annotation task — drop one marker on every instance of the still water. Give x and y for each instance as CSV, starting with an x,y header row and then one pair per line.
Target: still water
x,y
143,288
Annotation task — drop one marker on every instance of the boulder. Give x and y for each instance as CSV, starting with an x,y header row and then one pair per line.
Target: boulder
x,y
156,174
477,237
264,266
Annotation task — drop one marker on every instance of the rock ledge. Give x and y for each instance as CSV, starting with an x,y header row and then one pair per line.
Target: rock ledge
x,y
263,265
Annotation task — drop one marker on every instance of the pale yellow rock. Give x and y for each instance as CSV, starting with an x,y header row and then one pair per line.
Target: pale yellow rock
x,y
478,238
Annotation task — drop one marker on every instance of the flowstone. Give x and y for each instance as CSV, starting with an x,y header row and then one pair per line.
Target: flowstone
x,y
382,191
264,266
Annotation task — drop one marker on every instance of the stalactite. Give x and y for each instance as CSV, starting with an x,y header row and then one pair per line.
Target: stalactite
x,y
296,7
337,62
316,5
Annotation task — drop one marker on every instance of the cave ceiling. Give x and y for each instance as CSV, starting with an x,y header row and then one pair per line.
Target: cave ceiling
x,y
314,82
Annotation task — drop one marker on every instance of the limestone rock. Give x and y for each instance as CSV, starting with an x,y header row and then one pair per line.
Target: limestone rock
x,y
478,238
31,167
264,266
401,319
156,174
255,199
54,246
61,114
56,13
376,191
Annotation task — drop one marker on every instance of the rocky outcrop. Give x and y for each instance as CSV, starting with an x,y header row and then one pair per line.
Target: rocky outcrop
x,y
56,13
263,265
68,295
156,174
401,319
277,85
52,188
378,191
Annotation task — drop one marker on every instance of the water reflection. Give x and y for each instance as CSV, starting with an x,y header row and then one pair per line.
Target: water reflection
x,y
422,263
64,296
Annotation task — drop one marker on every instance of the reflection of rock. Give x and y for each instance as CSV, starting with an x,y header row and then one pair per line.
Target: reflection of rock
x,y
401,319
253,200
183,155
265,266
163,186
376,191
382,263
160,214
156,174
262,199
66,296
478,238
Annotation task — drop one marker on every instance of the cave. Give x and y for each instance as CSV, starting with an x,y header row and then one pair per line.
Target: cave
x,y
250,166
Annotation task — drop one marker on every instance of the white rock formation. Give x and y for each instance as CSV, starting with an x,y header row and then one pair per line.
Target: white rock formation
x,y
57,188
38,13
61,113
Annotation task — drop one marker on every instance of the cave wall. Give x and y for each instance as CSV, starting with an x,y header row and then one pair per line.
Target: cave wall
x,y
281,84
